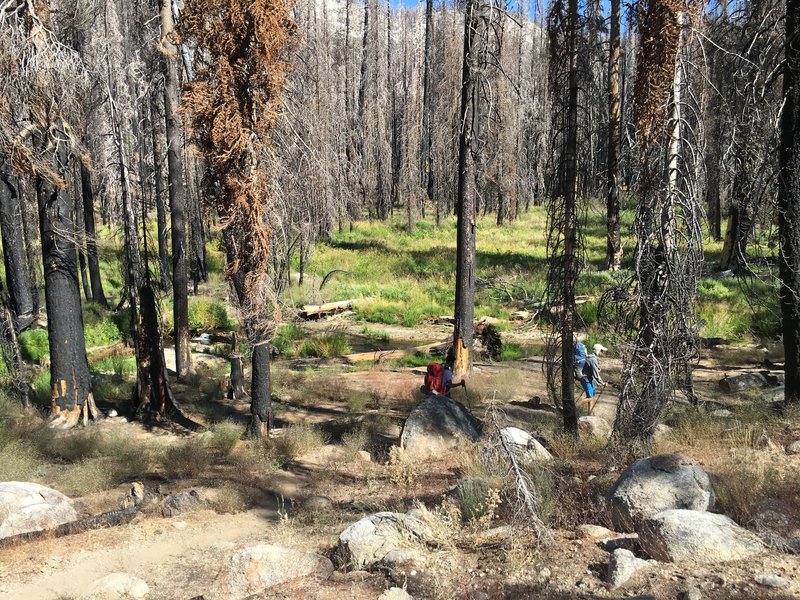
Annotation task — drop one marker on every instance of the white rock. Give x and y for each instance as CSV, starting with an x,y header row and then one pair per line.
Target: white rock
x,y
529,447
695,536
657,483
793,448
363,456
257,568
597,532
395,593
28,507
596,426
772,580
623,566
369,540
116,585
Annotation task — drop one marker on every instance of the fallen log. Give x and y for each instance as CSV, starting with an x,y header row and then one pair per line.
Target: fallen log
x,y
318,310
748,381
108,519
378,356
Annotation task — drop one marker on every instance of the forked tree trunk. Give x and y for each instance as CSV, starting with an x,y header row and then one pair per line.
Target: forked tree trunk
x,y
789,205
16,262
70,381
465,239
614,246
177,196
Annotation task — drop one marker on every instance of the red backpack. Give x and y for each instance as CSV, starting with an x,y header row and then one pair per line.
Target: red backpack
x,y
434,378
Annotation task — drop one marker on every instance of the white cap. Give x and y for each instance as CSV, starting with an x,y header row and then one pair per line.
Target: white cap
x,y
597,348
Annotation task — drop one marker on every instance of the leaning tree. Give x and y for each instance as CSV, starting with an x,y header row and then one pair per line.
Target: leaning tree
x,y
233,103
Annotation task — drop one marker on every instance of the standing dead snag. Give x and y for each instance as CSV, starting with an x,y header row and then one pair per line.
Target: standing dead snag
x,y
233,104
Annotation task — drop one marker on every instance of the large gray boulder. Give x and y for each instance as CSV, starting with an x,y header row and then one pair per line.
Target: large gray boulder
x,y
657,483
28,507
257,568
594,426
694,536
436,425
370,540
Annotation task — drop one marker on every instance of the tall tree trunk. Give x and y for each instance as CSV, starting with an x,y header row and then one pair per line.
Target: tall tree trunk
x,y
16,263
261,393
161,205
177,195
614,246
96,281
465,239
570,226
789,204
427,178
70,381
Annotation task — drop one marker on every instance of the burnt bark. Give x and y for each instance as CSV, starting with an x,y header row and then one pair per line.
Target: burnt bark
x,y
236,383
789,205
177,196
465,237
20,290
70,381
260,393
95,280
161,205
614,245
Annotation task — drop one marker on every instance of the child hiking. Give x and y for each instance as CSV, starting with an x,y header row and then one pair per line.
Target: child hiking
x,y
587,372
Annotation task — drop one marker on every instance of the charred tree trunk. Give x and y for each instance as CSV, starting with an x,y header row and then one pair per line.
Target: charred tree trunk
x,y
236,383
260,393
427,127
465,239
789,205
177,196
614,247
161,205
95,280
70,381
16,263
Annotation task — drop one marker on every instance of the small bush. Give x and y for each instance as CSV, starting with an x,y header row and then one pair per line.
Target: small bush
x,y
85,477
122,320
357,402
295,441
472,495
375,335
187,459
403,470
19,461
207,315
228,500
33,344
418,359
73,446
333,344
102,333
738,487
510,352
285,341
225,436
355,441
587,313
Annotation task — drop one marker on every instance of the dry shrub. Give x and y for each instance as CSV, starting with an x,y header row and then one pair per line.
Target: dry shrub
x,y
354,441
228,500
225,436
403,470
85,477
740,483
72,446
582,449
19,461
294,441
188,458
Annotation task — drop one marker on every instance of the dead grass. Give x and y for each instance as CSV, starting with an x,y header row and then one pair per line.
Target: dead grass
x,y
19,461
187,458
228,499
85,477
225,436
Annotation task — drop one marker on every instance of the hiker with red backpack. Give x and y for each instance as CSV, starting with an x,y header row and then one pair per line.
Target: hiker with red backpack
x,y
439,377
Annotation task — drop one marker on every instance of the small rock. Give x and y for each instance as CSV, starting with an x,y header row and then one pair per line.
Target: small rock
x,y
116,585
596,426
495,535
111,413
364,456
403,557
544,575
766,443
179,524
771,580
182,502
721,412
596,532
623,566
793,448
525,445
314,503
395,593
691,594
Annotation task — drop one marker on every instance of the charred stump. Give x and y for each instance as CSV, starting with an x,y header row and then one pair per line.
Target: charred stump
x,y
236,383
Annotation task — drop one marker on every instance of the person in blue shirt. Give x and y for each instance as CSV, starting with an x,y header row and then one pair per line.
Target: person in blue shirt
x,y
590,375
